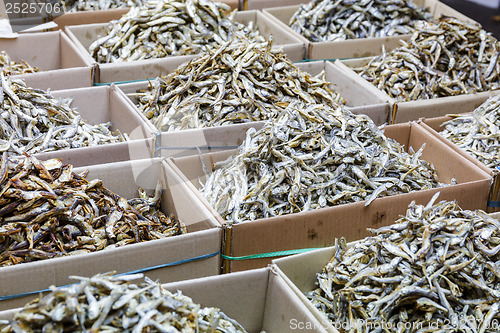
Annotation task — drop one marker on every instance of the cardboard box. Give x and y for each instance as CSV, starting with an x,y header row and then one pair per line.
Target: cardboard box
x,y
402,112
355,48
84,35
61,66
259,300
203,239
319,228
433,126
104,16
262,4
101,105
23,14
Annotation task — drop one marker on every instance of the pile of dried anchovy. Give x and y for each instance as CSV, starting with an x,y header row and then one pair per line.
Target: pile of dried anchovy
x,y
105,303
311,157
436,268
327,20
11,67
477,132
441,59
168,27
48,211
85,5
242,81
33,121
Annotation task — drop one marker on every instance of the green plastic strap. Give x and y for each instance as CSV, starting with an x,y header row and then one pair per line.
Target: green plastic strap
x,y
270,254
120,82
312,60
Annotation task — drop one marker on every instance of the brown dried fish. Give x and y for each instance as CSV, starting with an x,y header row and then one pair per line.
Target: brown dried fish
x,y
11,67
47,211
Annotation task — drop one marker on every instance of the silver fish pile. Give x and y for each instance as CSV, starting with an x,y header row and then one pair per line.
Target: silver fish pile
x,y
312,157
72,6
477,132
441,59
47,211
242,81
329,20
105,303
33,121
434,270
11,67
168,28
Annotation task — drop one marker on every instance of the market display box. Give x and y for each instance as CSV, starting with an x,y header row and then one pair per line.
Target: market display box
x,y
260,300
355,48
402,112
318,228
100,105
23,14
84,35
262,4
162,258
433,126
60,64
104,16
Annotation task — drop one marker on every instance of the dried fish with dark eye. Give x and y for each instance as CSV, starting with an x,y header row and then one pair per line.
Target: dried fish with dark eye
x,y
445,58
242,81
33,121
435,269
105,303
310,157
48,211
328,20
72,6
478,133
168,28
11,67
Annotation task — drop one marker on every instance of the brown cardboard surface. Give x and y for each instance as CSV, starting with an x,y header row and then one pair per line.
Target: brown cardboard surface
x,y
262,4
100,105
355,48
60,79
48,51
318,228
258,299
84,35
123,179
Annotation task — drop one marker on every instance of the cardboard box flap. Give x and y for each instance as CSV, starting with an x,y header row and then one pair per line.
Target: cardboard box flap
x,y
61,79
70,57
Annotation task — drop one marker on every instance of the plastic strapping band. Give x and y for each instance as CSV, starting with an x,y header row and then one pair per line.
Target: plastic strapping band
x,y
332,60
196,148
142,270
270,254
119,82
498,168
494,204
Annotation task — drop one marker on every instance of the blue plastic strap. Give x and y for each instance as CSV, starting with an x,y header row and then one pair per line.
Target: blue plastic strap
x,y
142,270
494,204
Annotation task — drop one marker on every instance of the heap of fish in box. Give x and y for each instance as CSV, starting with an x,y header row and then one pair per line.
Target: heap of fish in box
x,y
33,121
445,58
47,211
313,156
11,67
168,28
105,303
435,269
327,20
242,81
477,132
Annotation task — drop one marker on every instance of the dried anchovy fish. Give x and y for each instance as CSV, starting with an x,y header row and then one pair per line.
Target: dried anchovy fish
x,y
168,27
328,20
313,157
477,132
33,121
11,67
242,81
86,5
105,303
47,211
441,59
436,268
